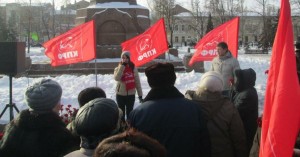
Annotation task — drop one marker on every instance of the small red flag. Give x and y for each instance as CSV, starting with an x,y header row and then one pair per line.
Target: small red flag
x,y
76,45
206,48
149,45
281,118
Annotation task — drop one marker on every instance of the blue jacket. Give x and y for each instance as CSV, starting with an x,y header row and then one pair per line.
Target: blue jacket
x,y
174,121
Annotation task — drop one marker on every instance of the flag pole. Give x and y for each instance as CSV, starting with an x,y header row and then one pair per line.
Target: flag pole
x,y
96,72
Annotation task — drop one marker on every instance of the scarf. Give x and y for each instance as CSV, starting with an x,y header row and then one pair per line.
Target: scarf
x,y
128,78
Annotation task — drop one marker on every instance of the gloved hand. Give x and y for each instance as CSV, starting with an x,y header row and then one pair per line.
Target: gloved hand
x,y
141,99
267,72
231,81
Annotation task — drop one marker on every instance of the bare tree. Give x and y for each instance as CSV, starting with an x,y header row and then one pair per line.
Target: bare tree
x,y
296,4
217,9
222,10
242,10
53,19
3,30
267,12
165,9
210,25
197,22
45,21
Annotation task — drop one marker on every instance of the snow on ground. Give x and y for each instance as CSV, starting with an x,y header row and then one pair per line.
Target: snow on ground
x,y
72,84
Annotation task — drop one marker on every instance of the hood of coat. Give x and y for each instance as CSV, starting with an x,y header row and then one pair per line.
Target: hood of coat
x,y
206,100
35,121
163,93
244,79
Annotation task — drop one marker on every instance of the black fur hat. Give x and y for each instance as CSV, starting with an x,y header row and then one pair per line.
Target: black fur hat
x,y
161,75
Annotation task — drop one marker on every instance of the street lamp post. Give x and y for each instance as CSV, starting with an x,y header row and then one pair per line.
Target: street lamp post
x,y
29,28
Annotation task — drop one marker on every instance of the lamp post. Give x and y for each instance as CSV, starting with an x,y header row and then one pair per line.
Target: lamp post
x,y
29,28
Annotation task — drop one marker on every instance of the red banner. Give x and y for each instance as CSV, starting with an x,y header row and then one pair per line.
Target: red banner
x,y
76,45
149,45
281,118
206,48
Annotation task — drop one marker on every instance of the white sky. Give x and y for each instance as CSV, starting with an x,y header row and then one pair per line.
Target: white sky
x,y
185,3
72,85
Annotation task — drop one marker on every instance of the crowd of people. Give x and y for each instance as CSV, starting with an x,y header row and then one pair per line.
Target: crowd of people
x,y
219,118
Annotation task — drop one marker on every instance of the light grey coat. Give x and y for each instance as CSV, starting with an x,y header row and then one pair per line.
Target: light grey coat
x,y
225,65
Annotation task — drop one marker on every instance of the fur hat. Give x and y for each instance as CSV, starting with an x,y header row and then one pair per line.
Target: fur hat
x,y
161,75
127,53
96,118
43,95
89,94
211,81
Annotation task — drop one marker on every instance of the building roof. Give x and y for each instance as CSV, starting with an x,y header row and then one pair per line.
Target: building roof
x,y
116,5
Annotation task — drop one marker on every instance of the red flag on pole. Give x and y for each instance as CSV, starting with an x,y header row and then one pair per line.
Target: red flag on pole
x,y
206,48
76,45
281,118
149,45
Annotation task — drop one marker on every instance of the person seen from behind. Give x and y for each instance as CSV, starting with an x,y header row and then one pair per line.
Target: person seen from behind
x,y
168,117
95,121
226,131
245,99
38,131
84,97
130,143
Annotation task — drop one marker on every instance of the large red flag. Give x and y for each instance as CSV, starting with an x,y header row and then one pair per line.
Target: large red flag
x,y
149,45
281,118
76,45
206,47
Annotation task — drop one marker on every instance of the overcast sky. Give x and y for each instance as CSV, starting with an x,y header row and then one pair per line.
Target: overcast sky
x,y
184,3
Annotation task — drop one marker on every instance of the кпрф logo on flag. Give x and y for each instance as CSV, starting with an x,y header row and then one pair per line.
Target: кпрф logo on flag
x,y
67,47
210,47
144,47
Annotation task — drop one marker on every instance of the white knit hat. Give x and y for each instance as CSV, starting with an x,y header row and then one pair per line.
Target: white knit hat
x,y
211,81
127,53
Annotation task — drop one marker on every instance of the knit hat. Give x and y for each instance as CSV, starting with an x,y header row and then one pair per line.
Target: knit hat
x,y
211,81
98,117
43,95
161,75
127,53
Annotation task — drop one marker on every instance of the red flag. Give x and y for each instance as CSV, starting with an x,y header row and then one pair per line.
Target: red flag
x,y
206,48
76,45
281,118
149,45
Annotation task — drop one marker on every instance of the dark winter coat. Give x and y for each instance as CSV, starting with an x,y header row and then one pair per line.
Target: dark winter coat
x,y
174,121
246,101
36,135
224,124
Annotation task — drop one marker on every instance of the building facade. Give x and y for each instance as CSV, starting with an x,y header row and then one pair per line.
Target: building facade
x,y
41,22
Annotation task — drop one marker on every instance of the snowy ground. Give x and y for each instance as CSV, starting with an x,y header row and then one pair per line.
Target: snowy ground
x,y
72,85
